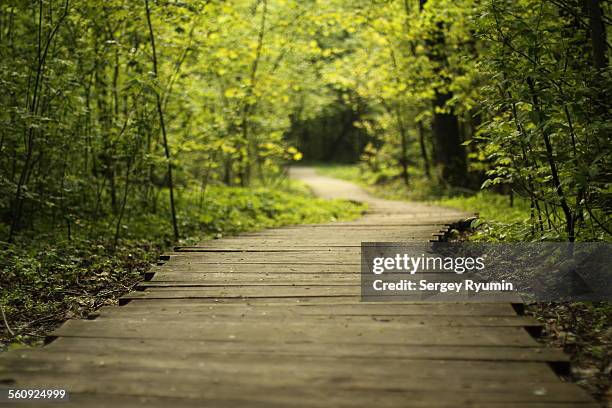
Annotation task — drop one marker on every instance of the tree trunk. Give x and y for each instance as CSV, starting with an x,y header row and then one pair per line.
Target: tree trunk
x,y
570,223
424,153
250,152
598,34
162,124
449,151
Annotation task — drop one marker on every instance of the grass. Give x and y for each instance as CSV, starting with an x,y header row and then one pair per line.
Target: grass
x,y
49,275
350,172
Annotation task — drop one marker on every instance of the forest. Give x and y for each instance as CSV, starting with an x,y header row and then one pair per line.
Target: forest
x,y
127,126
118,109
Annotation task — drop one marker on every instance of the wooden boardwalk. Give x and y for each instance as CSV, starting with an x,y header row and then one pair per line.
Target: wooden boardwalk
x,y
274,319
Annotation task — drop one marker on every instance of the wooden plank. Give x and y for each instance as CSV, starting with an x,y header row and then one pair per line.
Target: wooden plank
x,y
371,222
262,256
169,278
281,301
222,376
345,229
264,371
246,292
299,331
350,238
340,241
355,308
198,349
258,267
248,364
261,283
217,393
264,259
250,277
369,234
105,400
195,279
258,246
295,291
387,320
324,241
346,249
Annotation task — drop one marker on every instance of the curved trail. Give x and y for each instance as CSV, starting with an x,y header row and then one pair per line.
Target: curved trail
x,y
380,210
274,319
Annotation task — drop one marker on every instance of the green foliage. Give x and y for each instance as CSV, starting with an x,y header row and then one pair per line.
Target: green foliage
x,y
549,129
93,122
392,188
528,84
340,171
90,90
235,209
499,221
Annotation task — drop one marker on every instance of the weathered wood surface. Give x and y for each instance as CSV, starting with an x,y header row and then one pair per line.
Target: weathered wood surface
x,y
274,319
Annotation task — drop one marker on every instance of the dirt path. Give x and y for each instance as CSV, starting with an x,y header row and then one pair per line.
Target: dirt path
x,y
274,319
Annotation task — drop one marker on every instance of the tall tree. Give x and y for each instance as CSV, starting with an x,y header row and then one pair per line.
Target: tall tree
x,y
449,151
162,122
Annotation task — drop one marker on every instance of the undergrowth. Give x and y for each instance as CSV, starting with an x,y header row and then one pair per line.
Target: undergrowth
x,y
501,218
